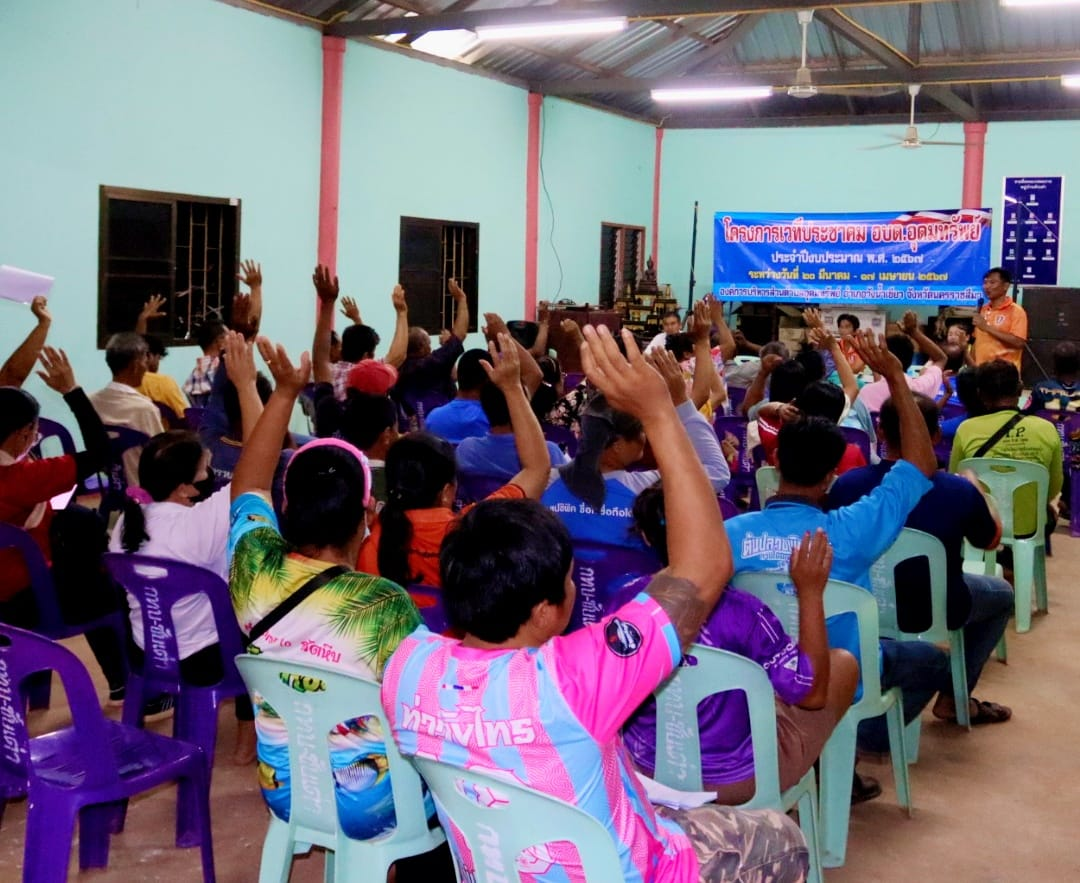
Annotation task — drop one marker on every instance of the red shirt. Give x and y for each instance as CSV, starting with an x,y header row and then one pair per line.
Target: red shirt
x,y
22,486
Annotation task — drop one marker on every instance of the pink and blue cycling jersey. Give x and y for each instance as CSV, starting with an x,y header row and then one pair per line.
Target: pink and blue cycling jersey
x,y
549,717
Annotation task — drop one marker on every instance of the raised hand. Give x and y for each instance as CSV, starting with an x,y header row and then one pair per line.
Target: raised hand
x,y
495,326
397,298
444,336
873,351
810,564
58,373
771,362
716,310
909,324
664,361
505,370
152,309
812,318
543,312
628,382
456,291
239,359
326,286
821,337
39,306
569,326
702,322
287,378
350,310
250,274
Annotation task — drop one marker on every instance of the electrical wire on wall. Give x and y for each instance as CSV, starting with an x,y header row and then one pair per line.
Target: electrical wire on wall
x,y
551,205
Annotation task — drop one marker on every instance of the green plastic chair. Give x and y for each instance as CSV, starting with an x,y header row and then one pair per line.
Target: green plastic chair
x,y
975,562
499,819
915,544
838,756
313,820
706,671
1002,479
768,483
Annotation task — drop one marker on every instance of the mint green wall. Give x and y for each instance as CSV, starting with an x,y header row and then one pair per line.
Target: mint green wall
x,y
190,96
598,167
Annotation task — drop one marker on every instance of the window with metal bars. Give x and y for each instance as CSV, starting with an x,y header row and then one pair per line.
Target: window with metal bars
x,y
622,260
182,247
431,253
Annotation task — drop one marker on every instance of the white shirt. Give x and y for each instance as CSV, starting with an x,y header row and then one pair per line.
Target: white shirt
x,y
121,405
196,535
658,342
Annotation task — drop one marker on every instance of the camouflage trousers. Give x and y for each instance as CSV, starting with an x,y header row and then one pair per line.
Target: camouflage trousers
x,y
743,846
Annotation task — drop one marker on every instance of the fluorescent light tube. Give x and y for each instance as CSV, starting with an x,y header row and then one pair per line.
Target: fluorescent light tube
x,y
552,29
1071,81
1023,4
446,44
721,93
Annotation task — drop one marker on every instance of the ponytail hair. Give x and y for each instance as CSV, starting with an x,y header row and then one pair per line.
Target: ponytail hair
x,y
169,460
418,467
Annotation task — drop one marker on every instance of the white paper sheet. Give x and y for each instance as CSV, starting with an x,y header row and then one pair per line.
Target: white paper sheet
x,y
22,286
60,501
662,795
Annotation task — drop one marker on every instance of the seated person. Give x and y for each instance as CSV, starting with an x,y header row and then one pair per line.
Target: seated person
x,y
1061,392
954,509
814,685
1004,431
903,347
568,405
425,377
358,342
741,374
960,334
76,534
355,619
421,484
120,403
211,339
463,416
808,454
967,393
162,518
161,388
846,326
371,423
818,399
670,324
560,700
593,494
777,380
495,454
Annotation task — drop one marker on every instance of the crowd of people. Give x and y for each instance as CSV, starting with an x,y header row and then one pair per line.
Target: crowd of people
x,y
427,472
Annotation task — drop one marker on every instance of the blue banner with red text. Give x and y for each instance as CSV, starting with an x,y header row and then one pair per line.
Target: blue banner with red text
x,y
923,257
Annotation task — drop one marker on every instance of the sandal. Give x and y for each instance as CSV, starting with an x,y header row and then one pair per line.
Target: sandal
x,y
989,713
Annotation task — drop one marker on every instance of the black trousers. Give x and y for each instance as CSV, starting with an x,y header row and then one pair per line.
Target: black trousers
x,y
202,668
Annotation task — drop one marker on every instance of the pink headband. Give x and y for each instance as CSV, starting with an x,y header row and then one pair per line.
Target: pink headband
x,y
335,443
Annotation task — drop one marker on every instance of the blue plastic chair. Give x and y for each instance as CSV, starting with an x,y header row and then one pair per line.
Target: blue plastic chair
x,y
1002,478
313,819
601,573
84,771
157,584
50,622
838,756
704,672
915,545
499,819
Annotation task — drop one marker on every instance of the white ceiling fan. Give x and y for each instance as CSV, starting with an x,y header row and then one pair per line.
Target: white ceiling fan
x,y
804,81
910,138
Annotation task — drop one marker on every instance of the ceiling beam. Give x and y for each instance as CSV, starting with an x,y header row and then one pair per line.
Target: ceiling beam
x,y
706,120
944,72
635,9
914,32
723,50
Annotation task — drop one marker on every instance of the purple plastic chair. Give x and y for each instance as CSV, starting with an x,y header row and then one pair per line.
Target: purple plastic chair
x,y
194,418
50,621
563,437
601,573
952,409
157,584
742,479
121,440
429,600
572,379
855,436
727,508
87,770
51,429
170,418
735,394
1071,448
473,487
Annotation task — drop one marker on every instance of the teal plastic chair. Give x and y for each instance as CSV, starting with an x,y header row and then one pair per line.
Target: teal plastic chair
x,y
499,819
838,756
313,819
704,672
768,483
975,562
1002,479
912,545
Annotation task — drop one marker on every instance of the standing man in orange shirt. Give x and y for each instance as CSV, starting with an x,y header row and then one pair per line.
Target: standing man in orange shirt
x,y
1001,327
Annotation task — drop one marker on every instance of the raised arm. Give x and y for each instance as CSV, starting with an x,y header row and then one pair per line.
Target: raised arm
x,y
350,310
21,362
152,309
822,338
326,289
531,375
915,444
716,317
689,587
705,376
543,320
250,313
259,459
935,355
240,369
505,373
399,345
570,327
809,567
756,392
461,311
741,343
57,374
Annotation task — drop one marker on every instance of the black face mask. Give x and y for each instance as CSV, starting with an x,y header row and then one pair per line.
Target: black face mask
x,y
205,488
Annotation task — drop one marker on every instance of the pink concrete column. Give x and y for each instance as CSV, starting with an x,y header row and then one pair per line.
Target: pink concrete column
x,y
974,148
532,202
330,160
656,198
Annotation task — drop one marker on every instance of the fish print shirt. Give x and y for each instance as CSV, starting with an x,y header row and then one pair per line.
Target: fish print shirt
x,y
351,624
